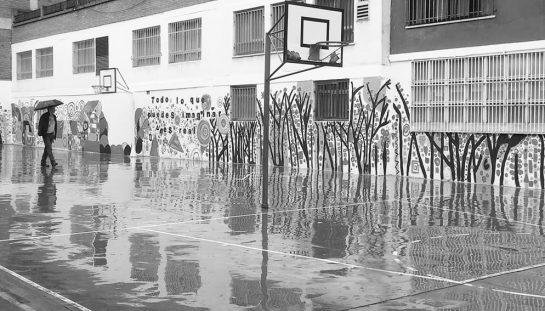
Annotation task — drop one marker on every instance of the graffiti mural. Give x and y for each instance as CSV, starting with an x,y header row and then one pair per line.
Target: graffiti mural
x,y
82,126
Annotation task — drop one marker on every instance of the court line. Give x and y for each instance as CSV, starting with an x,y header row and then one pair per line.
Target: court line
x,y
257,249
205,220
477,214
43,289
504,273
16,303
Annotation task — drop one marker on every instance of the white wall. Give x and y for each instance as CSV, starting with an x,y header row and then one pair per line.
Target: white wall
x,y
217,67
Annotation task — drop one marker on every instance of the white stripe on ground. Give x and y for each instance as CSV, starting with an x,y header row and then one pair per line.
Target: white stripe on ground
x,y
16,303
476,214
504,273
208,219
43,289
430,277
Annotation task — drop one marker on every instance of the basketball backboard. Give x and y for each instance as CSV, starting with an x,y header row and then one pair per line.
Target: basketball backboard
x,y
110,81
313,35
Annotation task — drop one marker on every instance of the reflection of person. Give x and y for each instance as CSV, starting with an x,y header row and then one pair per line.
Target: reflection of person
x,y
47,128
47,194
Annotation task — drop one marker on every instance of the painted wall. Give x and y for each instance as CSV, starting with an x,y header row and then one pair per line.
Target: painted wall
x,y
515,21
87,123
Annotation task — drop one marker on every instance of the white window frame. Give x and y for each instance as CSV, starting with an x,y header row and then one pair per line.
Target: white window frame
x,y
81,51
185,40
496,93
24,69
249,31
44,56
146,46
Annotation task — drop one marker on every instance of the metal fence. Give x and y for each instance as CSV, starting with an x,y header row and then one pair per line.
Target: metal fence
x,y
184,40
146,46
83,58
484,94
24,65
332,100
421,12
44,62
243,100
249,31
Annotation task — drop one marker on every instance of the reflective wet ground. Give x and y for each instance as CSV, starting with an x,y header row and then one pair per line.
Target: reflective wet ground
x,y
150,234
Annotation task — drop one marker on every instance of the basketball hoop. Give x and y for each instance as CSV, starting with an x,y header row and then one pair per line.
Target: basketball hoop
x,y
315,49
98,89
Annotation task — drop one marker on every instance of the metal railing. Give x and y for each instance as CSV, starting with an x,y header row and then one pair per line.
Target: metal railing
x,y
421,12
60,7
249,31
500,93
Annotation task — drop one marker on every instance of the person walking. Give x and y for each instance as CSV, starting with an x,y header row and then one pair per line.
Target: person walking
x,y
47,128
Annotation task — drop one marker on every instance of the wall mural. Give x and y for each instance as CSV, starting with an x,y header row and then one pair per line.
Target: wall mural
x,y
376,139
81,125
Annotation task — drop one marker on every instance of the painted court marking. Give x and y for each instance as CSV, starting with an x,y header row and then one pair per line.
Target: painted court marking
x,y
16,303
204,220
43,289
428,277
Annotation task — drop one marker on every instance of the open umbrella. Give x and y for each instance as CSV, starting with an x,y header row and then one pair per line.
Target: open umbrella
x,y
48,103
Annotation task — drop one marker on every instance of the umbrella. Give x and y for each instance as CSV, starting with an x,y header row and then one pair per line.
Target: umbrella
x,y
47,103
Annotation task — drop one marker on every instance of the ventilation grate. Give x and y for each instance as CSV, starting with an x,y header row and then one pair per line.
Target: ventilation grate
x,y
363,10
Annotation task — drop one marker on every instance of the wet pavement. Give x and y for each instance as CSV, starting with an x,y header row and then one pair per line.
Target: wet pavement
x,y
157,234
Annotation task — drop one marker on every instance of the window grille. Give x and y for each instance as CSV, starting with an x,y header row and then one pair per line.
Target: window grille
x,y
83,59
44,62
249,31
484,94
348,7
243,99
332,100
420,12
24,65
184,40
146,46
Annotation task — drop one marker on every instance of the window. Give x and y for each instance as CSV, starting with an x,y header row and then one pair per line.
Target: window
x,y
332,100
102,54
348,7
243,99
44,62
184,41
24,65
83,56
249,32
146,47
480,94
435,11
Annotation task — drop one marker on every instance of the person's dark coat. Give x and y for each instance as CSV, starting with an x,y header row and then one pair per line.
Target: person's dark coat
x,y
44,124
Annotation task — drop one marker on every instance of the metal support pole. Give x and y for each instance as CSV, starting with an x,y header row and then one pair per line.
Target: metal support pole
x,y
265,141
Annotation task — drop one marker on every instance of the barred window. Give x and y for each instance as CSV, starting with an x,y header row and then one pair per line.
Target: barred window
x,y
480,94
146,46
249,31
277,40
348,7
24,65
332,100
184,41
83,56
243,103
436,11
44,62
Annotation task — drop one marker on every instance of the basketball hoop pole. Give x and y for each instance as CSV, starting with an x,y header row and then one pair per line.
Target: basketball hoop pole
x,y
265,142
